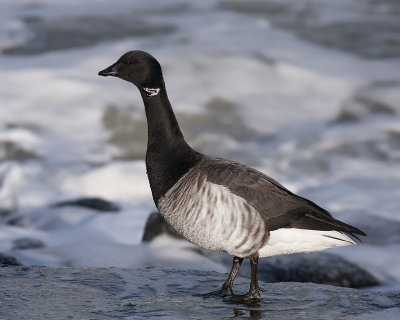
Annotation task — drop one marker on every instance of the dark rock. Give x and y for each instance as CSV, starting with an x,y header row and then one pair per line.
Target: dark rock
x,y
318,267
368,101
27,243
127,132
373,105
20,221
346,116
5,212
6,260
91,203
9,150
155,226
162,293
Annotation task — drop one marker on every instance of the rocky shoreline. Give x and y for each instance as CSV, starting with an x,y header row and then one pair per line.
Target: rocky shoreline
x,y
34,292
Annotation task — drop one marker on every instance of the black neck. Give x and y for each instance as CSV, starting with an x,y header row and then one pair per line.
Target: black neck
x,y
168,156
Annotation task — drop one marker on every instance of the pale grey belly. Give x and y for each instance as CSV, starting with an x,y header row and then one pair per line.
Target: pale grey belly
x,y
210,216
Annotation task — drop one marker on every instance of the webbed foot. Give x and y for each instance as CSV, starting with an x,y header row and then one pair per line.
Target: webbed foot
x,y
223,292
249,297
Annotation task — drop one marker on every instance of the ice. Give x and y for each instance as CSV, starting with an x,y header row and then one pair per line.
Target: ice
x,y
253,84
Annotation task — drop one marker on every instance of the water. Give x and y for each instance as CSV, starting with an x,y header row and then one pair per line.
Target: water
x,y
305,92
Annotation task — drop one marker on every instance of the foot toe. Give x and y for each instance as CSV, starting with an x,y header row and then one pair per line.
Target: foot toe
x,y
220,293
250,296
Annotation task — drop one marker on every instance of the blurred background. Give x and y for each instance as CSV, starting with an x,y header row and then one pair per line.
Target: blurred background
x,y
306,91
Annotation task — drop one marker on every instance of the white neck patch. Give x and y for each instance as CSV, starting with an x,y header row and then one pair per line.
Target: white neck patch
x,y
152,91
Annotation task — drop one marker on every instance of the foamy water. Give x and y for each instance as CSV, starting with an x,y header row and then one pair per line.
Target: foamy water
x,y
256,86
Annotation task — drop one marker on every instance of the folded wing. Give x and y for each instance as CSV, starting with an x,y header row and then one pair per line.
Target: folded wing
x,y
278,207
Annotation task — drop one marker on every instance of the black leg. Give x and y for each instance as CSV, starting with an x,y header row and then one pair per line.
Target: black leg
x,y
227,286
254,287
254,292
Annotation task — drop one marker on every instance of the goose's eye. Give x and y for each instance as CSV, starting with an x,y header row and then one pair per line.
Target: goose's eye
x,y
131,61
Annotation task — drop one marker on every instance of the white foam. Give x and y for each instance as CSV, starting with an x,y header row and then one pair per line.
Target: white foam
x,y
116,181
165,251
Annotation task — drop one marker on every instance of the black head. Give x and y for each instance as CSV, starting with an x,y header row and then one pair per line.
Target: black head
x,y
138,67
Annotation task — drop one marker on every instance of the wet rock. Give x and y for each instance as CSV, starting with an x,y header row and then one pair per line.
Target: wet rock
x,y
375,106
128,132
346,116
155,226
371,149
19,221
370,100
27,243
318,267
6,260
91,203
149,293
5,212
9,150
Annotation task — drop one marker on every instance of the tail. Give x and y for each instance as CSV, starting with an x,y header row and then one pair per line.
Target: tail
x,y
323,221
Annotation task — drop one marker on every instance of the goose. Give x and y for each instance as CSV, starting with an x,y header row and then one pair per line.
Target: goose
x,y
219,204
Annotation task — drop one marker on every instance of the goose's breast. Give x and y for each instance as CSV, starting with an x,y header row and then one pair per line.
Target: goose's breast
x,y
212,217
